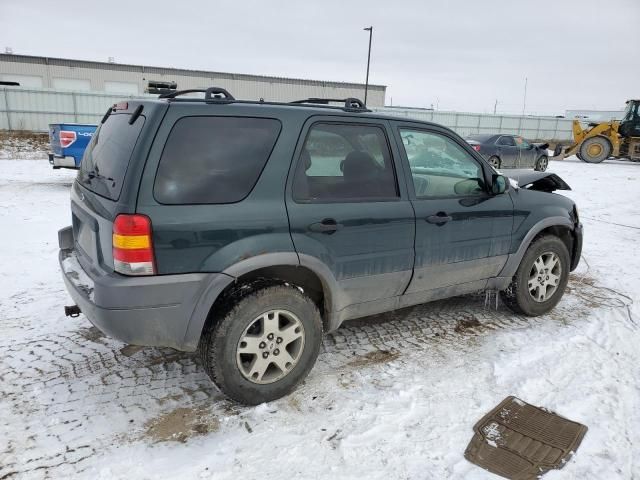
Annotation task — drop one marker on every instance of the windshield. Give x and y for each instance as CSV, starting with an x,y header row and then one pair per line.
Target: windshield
x,y
106,159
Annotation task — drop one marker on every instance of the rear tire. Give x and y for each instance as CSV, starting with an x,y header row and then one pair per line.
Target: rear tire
x,y
541,278
542,163
264,345
494,162
595,149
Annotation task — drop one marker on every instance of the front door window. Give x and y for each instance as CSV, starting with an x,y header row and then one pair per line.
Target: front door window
x,y
440,167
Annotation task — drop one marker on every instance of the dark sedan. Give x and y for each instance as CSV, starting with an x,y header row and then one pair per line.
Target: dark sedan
x,y
510,151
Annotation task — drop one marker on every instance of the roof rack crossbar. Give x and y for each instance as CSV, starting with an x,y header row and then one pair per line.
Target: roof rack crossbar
x,y
210,94
221,96
350,103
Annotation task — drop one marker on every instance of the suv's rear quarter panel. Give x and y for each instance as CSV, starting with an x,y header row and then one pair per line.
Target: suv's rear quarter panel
x,y
214,237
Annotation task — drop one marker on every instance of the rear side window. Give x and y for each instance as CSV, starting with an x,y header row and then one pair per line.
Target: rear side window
x,y
507,141
214,159
107,156
345,163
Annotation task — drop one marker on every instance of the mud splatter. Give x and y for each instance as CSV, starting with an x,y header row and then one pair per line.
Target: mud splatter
x,y
374,358
181,424
92,334
466,323
130,350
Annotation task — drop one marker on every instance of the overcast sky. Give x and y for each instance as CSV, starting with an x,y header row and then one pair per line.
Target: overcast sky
x,y
457,55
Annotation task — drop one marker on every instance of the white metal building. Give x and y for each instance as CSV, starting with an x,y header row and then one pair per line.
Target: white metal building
x,y
85,76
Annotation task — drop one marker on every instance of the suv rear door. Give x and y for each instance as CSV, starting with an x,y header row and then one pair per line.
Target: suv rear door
x,y
213,186
463,233
347,209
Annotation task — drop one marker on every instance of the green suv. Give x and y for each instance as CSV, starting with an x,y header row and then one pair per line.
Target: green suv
x,y
246,229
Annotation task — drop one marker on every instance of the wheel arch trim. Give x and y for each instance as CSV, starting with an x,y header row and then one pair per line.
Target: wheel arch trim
x,y
217,284
514,259
329,283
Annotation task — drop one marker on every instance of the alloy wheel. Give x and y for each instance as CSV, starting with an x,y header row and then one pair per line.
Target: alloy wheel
x,y
542,164
270,346
544,277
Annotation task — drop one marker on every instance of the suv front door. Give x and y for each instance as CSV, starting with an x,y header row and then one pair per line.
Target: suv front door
x,y
463,233
348,211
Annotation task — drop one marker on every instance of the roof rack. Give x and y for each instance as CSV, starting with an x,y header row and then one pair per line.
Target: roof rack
x,y
210,94
220,95
350,104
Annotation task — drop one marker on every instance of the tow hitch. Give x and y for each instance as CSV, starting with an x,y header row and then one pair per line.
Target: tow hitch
x,y
73,311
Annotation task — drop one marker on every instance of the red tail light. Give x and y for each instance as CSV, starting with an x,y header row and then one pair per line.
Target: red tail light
x,y
67,138
476,147
133,245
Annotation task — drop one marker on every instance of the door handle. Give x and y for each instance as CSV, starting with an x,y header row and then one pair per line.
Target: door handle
x,y
439,219
328,226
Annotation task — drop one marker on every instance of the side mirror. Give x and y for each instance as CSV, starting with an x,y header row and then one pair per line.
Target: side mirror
x,y
499,184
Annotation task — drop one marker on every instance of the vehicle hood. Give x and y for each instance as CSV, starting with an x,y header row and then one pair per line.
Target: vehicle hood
x,y
541,181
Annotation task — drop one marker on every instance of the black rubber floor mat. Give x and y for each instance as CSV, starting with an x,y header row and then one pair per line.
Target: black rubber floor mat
x,y
521,442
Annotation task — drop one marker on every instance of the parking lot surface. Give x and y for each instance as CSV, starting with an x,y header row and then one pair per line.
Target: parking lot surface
x,y
392,396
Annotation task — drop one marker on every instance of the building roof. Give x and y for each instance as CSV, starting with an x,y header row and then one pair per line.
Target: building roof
x,y
66,62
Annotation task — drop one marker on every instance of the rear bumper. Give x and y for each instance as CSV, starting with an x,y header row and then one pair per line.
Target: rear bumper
x,y
578,233
159,311
62,162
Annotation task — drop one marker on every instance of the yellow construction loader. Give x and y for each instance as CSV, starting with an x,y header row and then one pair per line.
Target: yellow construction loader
x,y
617,139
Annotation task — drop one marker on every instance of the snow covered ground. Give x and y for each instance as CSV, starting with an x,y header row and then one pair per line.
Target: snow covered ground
x,y
392,396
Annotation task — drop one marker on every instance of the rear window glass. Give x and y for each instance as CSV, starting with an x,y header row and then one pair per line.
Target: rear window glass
x,y
214,159
107,156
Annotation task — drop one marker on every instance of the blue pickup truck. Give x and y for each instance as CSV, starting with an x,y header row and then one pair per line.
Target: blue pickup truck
x,y
68,142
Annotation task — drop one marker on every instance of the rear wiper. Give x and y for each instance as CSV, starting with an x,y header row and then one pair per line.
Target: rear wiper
x,y
94,174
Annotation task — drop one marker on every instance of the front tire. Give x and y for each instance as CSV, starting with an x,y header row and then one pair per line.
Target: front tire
x,y
595,149
264,346
541,278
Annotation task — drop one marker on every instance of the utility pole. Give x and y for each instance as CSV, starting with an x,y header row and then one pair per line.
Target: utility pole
x,y
524,100
366,85
495,106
